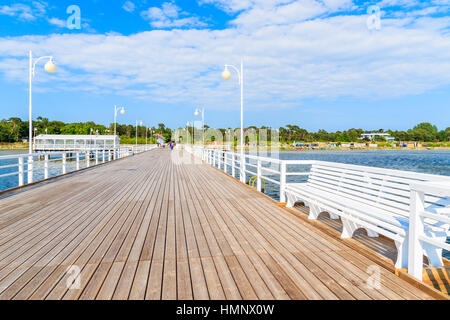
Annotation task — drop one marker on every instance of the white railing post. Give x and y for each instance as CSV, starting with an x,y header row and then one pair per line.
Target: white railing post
x,y
78,160
96,157
103,156
20,171
233,165
219,160
415,250
282,182
225,160
88,159
46,166
64,167
242,169
30,169
258,183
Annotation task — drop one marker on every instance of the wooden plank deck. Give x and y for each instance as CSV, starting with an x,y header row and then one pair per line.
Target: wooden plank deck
x,y
147,227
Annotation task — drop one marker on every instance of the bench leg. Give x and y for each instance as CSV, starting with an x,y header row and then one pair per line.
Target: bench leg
x,y
348,228
433,254
402,254
314,212
290,200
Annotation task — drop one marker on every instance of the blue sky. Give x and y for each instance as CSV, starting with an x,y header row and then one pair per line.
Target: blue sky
x,y
320,64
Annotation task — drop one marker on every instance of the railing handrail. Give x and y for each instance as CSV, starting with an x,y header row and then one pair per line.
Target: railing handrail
x,y
385,171
441,188
418,212
26,161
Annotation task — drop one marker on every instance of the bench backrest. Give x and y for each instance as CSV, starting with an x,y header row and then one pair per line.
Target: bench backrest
x,y
385,188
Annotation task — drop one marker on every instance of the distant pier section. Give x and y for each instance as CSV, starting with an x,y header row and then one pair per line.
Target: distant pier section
x,y
45,142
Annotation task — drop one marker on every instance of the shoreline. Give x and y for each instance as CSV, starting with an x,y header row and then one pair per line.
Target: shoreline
x,y
338,149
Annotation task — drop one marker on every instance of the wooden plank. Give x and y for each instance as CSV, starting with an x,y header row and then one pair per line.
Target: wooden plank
x,y
139,287
183,273
150,228
198,281
155,278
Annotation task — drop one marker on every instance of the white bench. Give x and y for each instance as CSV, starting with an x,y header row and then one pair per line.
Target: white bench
x,y
374,199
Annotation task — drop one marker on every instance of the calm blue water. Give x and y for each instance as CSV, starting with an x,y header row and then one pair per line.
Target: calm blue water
x,y
55,169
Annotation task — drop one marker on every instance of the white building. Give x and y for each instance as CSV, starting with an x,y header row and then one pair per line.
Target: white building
x,y
47,142
372,136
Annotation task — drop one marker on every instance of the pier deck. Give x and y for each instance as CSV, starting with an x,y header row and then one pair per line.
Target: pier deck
x,y
148,228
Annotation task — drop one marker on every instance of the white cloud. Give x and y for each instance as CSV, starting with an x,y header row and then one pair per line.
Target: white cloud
x,y
257,13
326,57
283,14
57,22
24,11
170,16
233,6
399,3
129,6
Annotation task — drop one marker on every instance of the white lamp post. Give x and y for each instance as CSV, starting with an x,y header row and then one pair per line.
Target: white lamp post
x,y
122,112
193,132
226,75
197,112
50,68
137,131
187,133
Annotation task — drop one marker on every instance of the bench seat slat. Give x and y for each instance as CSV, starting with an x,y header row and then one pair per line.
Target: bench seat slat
x,y
387,204
375,181
401,188
348,203
366,188
394,175
350,212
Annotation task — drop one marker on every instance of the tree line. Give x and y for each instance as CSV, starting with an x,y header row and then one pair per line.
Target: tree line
x,y
15,130
423,132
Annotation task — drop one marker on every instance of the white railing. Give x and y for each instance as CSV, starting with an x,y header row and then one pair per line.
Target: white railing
x,y
87,147
41,166
77,146
277,171
263,169
418,225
